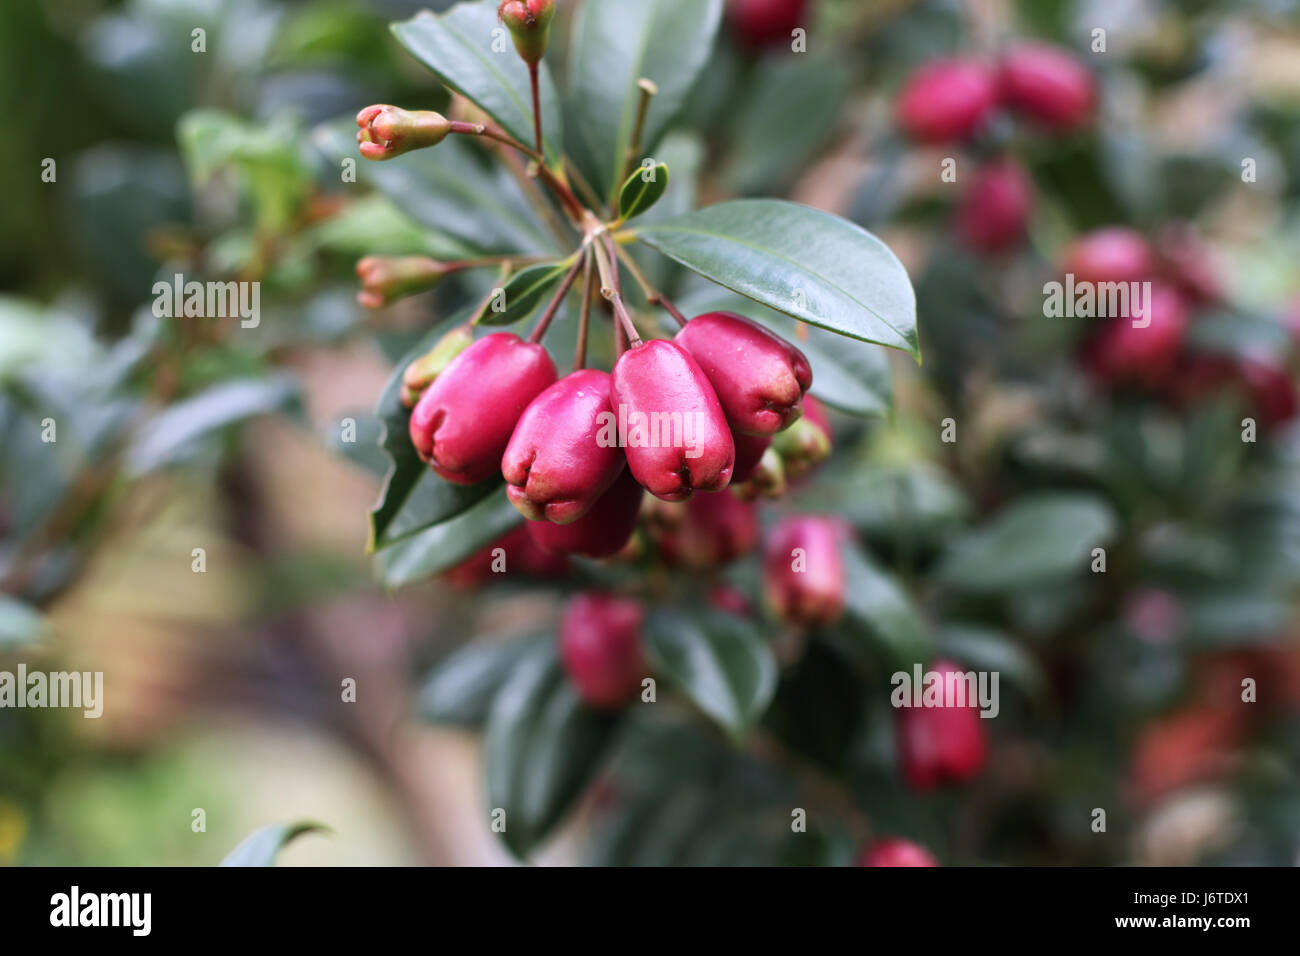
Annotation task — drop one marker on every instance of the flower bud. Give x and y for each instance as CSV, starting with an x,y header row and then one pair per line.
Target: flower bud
x,y
1047,84
717,529
762,23
556,465
1146,355
807,443
942,744
758,376
529,22
421,373
995,209
386,278
1113,254
893,851
601,648
677,438
946,101
388,131
803,571
464,420
603,531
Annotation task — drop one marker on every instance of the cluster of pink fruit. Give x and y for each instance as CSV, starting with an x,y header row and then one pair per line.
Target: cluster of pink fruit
x,y
720,406
951,101
1154,354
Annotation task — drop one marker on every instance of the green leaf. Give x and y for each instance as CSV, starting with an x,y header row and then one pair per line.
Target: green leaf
x,y
1041,538
882,610
463,47
261,846
420,556
541,749
375,226
639,193
522,294
986,649
461,688
413,498
806,263
718,660
849,375
20,623
172,434
617,44
448,189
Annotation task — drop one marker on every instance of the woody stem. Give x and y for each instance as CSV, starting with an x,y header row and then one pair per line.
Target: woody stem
x,y
544,322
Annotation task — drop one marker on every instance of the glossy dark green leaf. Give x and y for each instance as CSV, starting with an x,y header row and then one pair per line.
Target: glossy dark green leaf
x,y
879,610
472,54
413,498
1040,538
643,189
541,749
261,846
614,46
522,293
420,556
461,688
20,623
720,661
448,188
801,261
173,433
848,375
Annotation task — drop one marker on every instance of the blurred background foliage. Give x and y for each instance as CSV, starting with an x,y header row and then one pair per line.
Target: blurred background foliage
x,y
183,434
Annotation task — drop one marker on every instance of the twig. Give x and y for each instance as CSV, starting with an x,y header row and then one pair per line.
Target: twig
x,y
544,322
652,295
584,322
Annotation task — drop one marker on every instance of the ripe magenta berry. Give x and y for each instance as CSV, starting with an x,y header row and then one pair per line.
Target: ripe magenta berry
x,y
938,745
749,452
1122,353
678,441
511,555
759,377
894,851
729,598
529,22
603,531
803,570
760,23
717,529
1272,391
1190,264
1113,254
555,465
1047,84
600,645
946,100
996,206
463,423
807,443
421,373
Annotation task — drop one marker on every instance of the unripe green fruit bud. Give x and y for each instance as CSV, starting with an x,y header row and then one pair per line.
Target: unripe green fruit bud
x,y
529,22
388,131
386,278
420,374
